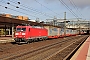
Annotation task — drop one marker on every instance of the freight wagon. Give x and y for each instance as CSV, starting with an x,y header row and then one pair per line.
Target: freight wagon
x,y
53,32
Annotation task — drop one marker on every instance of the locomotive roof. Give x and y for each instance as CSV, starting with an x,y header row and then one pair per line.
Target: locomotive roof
x,y
31,26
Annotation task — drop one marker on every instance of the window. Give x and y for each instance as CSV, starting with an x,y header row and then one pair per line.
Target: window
x,y
13,16
18,29
29,29
24,29
21,29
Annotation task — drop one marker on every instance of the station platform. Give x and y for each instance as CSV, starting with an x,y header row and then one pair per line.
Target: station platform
x,y
84,51
6,39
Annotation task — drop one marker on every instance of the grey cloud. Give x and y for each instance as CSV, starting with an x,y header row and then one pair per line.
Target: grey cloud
x,y
78,3
50,1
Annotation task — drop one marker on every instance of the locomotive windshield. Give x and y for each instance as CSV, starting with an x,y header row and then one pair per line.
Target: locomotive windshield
x,y
21,29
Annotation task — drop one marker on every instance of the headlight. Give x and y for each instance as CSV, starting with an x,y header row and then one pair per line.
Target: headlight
x,y
16,33
23,33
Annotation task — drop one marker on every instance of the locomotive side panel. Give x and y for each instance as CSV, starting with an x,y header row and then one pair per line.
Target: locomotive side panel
x,y
36,32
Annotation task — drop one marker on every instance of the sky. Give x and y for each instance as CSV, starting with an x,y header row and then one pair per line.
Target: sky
x,y
47,9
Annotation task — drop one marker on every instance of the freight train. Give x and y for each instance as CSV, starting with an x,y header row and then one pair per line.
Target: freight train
x,y
28,34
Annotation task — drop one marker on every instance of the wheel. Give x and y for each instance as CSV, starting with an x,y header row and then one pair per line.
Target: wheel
x,y
27,41
40,39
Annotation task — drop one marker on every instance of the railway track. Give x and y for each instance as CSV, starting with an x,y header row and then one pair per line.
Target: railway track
x,y
5,46
67,52
46,52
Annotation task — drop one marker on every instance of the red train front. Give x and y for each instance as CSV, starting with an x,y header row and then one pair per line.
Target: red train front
x,y
29,33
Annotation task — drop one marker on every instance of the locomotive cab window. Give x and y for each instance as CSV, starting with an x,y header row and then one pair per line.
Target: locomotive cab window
x,y
21,29
18,29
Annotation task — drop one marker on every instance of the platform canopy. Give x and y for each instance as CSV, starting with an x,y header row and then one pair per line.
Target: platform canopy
x,y
12,21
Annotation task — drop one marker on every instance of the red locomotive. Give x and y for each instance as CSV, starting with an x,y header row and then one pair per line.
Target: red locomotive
x,y
30,33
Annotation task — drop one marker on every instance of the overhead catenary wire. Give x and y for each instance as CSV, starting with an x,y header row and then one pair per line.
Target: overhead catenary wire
x,y
17,11
76,8
47,8
61,1
30,8
2,1
20,7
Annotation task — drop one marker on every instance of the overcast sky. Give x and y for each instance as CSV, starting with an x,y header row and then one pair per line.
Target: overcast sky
x,y
47,9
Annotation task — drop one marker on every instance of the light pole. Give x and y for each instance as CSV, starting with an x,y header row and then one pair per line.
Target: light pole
x,y
65,23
